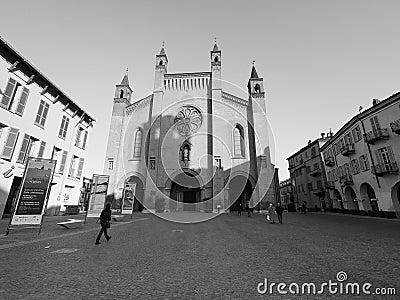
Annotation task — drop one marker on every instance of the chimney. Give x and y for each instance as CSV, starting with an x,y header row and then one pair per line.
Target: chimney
x,y
309,142
323,135
375,101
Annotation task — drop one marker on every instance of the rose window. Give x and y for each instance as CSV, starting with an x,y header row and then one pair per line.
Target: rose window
x,y
188,120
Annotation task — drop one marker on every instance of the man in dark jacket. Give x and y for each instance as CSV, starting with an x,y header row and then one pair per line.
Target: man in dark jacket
x,y
105,218
279,212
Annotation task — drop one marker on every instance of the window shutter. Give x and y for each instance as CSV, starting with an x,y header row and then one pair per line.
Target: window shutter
x,y
10,143
61,131
44,116
65,127
80,168
78,137
39,113
63,160
391,154
8,93
362,163
22,101
366,162
378,157
23,150
84,139
41,149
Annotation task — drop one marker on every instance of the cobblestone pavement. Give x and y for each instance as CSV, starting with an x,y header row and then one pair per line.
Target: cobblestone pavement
x,y
224,258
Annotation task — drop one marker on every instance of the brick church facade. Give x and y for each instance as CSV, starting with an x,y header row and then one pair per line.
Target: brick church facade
x,y
189,145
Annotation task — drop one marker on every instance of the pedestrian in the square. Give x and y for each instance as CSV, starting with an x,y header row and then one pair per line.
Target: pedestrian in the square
x,y
271,213
279,212
240,209
304,207
105,218
248,209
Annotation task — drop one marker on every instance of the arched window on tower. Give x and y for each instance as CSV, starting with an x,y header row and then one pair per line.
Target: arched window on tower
x,y
238,141
257,88
216,59
121,94
185,152
161,63
137,147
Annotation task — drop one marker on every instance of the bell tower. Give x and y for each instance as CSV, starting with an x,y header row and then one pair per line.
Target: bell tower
x,y
123,91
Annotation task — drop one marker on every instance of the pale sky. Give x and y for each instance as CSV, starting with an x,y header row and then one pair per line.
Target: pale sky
x,y
320,60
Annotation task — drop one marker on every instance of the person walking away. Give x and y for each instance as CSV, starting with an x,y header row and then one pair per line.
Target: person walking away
x,y
271,213
105,218
248,209
304,207
279,212
240,209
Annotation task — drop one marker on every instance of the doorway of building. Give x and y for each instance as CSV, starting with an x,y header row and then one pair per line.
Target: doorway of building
x,y
240,190
186,191
12,196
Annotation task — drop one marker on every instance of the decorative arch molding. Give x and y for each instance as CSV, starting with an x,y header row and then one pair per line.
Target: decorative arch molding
x,y
123,179
169,181
243,174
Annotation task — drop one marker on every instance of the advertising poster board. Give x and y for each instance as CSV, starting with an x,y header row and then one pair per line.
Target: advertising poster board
x,y
98,195
128,198
32,198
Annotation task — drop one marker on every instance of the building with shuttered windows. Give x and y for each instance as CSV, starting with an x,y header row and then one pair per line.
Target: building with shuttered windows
x,y
362,160
37,119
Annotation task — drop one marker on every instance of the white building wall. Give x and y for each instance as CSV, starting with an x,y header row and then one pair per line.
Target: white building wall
x,y
59,195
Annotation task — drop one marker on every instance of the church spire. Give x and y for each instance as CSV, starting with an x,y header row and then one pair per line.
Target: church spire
x,y
125,80
253,71
162,59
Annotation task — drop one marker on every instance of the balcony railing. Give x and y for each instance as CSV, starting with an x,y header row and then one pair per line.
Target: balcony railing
x,y
330,185
318,191
346,180
329,161
383,169
374,135
348,150
395,126
316,172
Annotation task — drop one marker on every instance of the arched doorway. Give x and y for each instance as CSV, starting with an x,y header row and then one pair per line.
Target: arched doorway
x,y
337,198
139,192
368,195
240,190
186,191
396,196
350,196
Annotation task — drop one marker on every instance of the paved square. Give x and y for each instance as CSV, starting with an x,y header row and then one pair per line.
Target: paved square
x,y
224,258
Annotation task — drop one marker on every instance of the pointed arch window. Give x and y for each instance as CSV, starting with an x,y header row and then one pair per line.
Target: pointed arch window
x,y
216,59
137,147
257,88
238,141
161,63
121,94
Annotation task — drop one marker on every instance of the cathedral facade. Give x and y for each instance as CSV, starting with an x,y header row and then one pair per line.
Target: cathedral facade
x,y
190,145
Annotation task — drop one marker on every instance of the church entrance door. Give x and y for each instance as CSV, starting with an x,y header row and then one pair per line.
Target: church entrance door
x,y
186,191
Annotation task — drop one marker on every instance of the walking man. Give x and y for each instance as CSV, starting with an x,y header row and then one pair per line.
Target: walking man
x,y
304,207
279,212
105,218
240,209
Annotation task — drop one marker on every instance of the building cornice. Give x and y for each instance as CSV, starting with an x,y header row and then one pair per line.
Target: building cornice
x,y
362,116
35,75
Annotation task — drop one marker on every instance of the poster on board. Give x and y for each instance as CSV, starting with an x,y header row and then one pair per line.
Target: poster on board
x,y
98,195
32,198
128,198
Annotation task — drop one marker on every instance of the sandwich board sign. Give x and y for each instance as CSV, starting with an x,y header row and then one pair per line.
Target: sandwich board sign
x,y
128,198
98,195
33,195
